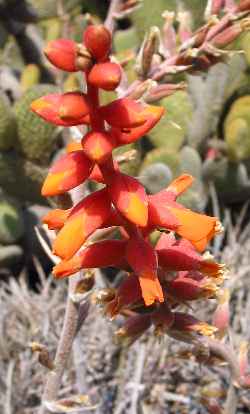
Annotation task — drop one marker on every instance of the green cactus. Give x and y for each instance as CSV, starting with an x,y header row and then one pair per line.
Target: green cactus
x,y
7,124
72,83
170,132
36,138
244,44
155,177
130,166
10,255
149,14
48,8
197,9
164,156
191,161
30,76
11,223
230,179
21,178
125,39
237,129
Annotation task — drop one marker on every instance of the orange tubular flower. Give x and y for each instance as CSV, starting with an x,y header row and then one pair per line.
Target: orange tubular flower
x,y
151,294
55,219
164,212
101,254
124,113
153,115
86,217
128,295
180,255
143,260
62,109
67,173
98,146
129,197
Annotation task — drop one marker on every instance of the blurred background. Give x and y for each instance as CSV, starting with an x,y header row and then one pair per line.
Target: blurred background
x,y
205,132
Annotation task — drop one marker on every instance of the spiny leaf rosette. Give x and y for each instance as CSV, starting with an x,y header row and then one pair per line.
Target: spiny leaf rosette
x,y
161,277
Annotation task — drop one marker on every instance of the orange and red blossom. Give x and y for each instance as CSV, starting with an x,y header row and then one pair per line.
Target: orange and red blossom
x,y
124,113
165,212
86,217
56,219
143,260
98,146
129,197
127,296
152,286
66,109
102,254
68,172
180,255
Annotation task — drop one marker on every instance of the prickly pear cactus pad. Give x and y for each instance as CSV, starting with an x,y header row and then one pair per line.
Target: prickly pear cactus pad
x,y
163,155
36,138
171,130
49,8
11,223
21,178
237,129
7,124
149,14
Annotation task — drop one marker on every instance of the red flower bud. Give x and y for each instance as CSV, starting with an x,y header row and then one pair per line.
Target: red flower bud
x,y
143,260
73,106
62,109
134,327
86,217
97,40
128,294
162,318
98,145
187,328
106,76
68,172
102,254
62,53
124,113
182,289
180,255
129,197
